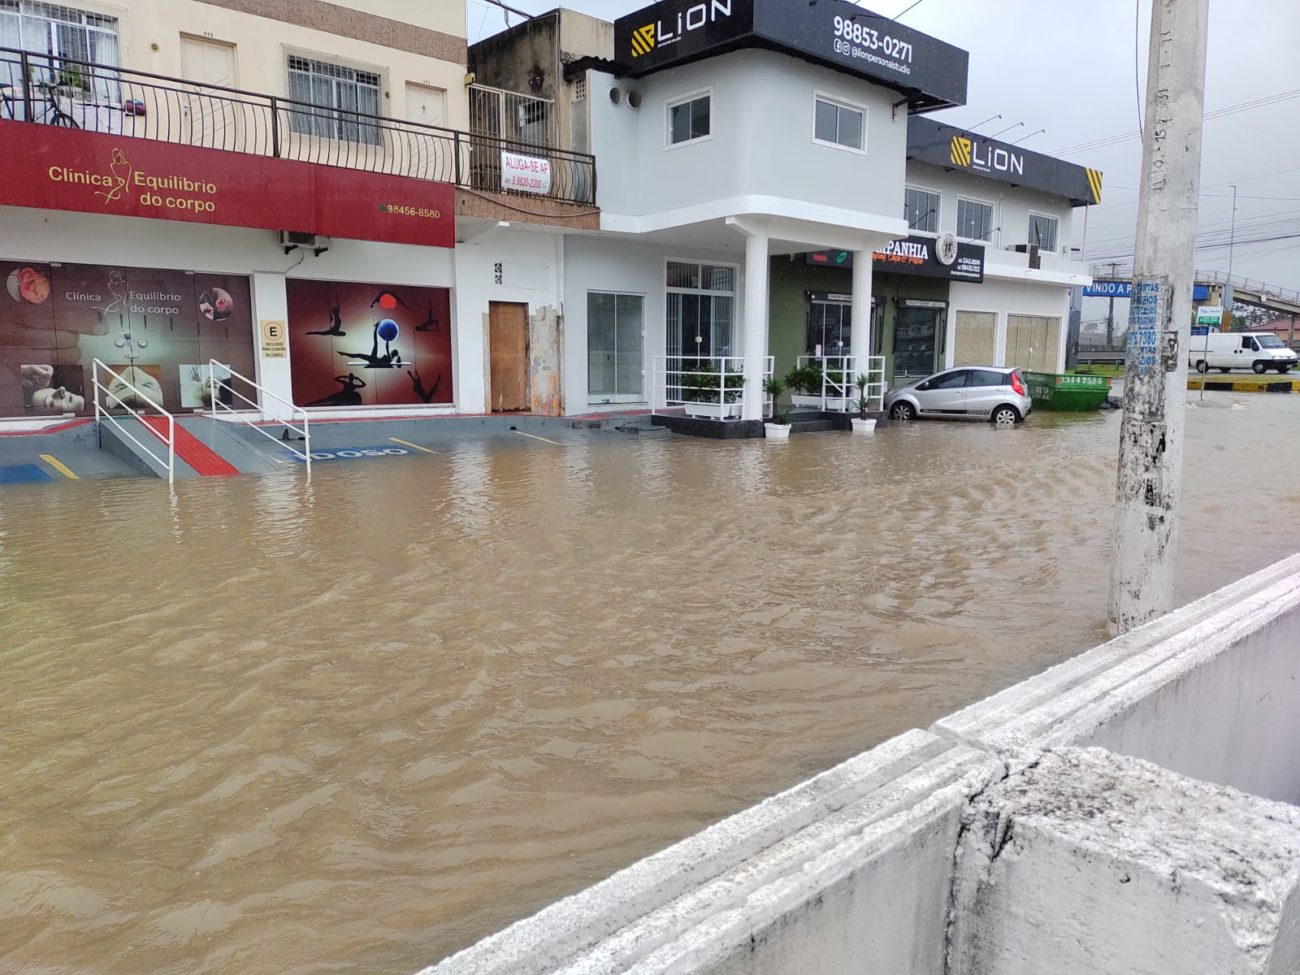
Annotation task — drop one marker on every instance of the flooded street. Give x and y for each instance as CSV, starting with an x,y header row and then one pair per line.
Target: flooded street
x,y
355,725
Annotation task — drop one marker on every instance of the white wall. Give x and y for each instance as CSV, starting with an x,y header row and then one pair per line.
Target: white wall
x,y
761,143
606,263
1007,298
96,239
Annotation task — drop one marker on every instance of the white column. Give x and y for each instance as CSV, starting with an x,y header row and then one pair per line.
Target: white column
x,y
860,324
271,303
756,269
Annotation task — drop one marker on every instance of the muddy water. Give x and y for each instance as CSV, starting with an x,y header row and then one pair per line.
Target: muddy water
x,y
354,725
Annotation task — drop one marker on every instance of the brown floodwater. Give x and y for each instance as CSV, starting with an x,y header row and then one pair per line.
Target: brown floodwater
x,y
353,725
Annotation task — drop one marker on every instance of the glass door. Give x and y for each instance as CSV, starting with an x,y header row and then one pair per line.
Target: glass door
x,y
615,348
916,342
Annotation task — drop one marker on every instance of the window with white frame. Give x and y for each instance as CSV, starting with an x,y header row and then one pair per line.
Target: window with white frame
x,y
921,208
690,118
344,101
974,219
1042,231
701,308
60,33
839,123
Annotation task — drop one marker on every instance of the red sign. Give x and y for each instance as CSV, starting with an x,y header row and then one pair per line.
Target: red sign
x,y
55,168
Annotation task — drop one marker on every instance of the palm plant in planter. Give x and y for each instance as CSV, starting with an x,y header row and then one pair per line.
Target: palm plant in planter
x,y
861,424
704,395
778,427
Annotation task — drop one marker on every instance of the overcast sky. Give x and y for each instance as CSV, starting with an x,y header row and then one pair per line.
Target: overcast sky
x,y
1069,68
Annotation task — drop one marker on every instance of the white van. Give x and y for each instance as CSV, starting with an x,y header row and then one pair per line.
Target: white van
x,y
1260,351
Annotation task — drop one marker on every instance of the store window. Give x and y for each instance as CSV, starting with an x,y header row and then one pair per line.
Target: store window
x,y
615,331
60,33
1033,342
690,119
344,100
974,220
975,339
839,123
1042,231
921,208
701,309
829,327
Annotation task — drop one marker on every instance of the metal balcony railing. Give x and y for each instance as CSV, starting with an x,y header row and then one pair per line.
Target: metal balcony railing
x,y
50,90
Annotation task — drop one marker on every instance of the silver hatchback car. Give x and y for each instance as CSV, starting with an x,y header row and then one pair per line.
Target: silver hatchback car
x,y
971,392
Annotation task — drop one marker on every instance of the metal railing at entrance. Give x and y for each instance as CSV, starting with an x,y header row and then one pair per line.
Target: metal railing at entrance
x,y
135,397
839,392
54,90
706,386
219,372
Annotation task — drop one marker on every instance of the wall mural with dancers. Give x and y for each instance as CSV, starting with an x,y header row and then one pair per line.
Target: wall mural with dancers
x,y
157,329
369,344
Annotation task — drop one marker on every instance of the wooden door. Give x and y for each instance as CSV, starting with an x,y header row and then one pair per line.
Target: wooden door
x,y
212,117
429,152
508,356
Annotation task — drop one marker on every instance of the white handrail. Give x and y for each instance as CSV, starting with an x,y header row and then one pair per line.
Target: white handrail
x,y
102,414
844,391
304,454
694,381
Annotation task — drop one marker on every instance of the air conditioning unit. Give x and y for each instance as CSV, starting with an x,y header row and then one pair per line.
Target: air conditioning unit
x,y
290,239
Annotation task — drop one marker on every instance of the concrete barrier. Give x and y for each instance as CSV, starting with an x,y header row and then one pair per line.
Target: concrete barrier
x,y
992,842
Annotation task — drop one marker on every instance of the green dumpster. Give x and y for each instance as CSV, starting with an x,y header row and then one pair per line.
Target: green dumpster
x,y
1067,392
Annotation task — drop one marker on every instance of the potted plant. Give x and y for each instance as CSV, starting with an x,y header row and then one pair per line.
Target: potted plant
x,y
778,427
704,395
861,423
805,385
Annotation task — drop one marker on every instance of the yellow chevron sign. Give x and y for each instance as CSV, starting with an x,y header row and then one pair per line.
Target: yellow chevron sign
x,y
643,40
961,150
1094,184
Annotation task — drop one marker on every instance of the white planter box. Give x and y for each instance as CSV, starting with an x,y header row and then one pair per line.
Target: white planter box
x,y
713,411
863,426
800,401
776,431
842,404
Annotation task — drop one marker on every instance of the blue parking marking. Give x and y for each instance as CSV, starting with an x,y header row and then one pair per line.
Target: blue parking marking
x,y
22,474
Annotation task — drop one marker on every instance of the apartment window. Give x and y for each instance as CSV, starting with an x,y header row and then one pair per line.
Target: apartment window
x,y
1042,231
839,124
974,220
689,119
57,33
921,208
345,101
701,308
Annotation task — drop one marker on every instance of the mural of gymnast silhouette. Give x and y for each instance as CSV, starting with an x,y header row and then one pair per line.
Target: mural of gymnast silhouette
x,y
430,324
336,323
417,384
348,395
391,359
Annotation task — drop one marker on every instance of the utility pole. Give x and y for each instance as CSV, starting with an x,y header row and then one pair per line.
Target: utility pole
x,y
1110,315
1160,311
1228,302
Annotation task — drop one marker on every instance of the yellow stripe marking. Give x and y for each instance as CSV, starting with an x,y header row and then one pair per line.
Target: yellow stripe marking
x,y
59,466
413,446
531,436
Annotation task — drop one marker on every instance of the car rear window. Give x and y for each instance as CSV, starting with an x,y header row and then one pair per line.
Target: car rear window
x,y
987,377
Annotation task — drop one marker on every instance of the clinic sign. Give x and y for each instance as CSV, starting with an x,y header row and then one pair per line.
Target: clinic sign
x,y
957,149
835,33
88,172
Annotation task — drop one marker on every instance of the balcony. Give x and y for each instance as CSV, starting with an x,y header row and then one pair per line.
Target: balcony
x,y
118,101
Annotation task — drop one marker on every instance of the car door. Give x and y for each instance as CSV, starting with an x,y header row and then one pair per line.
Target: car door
x,y
944,394
987,389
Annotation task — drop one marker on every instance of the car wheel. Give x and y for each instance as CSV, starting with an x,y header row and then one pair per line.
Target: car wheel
x,y
1202,366
1005,416
1284,369
1224,370
902,411
1260,368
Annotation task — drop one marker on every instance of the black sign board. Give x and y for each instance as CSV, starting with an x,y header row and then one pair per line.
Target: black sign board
x,y
953,148
943,257
835,33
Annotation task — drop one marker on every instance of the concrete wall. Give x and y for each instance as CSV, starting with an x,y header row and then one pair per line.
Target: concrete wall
x,y
1008,298
760,146
993,843
401,40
